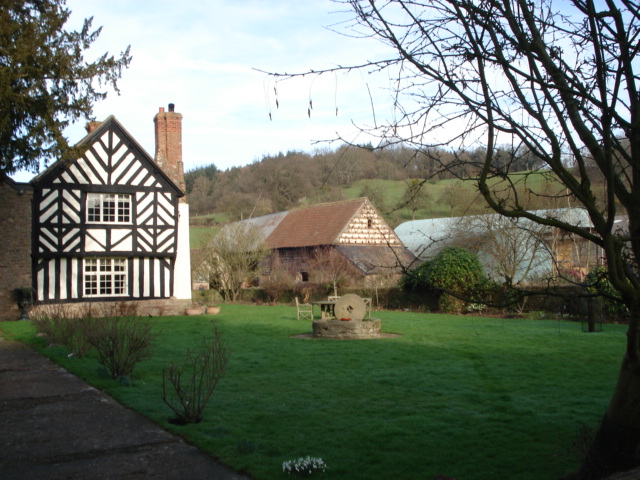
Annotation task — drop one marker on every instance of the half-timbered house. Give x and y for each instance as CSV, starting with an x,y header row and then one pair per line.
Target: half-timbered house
x,y
308,238
112,225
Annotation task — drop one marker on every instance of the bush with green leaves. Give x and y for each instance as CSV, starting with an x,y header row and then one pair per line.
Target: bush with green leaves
x,y
456,273
597,281
416,278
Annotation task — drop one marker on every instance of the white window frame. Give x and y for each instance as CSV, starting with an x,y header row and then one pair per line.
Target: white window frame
x,y
114,208
105,277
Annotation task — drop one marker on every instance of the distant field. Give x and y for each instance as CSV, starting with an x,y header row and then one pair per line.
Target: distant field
x,y
202,228
209,219
199,237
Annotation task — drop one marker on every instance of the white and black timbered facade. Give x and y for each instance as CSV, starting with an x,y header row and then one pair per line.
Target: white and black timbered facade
x,y
105,226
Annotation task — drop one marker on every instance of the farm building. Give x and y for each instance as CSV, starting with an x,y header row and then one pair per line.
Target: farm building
x,y
109,226
509,248
350,234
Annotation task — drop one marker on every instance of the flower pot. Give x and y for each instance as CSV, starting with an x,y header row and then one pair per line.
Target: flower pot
x,y
193,311
213,310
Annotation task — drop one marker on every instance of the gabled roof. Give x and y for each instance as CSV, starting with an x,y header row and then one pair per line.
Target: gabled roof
x,y
319,224
111,122
333,224
267,223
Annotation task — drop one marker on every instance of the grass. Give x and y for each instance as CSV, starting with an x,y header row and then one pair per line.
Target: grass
x,y
470,397
199,237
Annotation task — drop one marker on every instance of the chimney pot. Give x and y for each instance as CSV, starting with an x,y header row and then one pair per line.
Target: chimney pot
x,y
91,126
171,107
161,110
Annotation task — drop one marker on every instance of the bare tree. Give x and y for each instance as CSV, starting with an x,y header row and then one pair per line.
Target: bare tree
x,y
415,196
200,198
558,79
459,199
514,248
233,258
330,266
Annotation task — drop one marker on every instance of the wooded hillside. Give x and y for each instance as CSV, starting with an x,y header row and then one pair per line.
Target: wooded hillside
x,y
401,182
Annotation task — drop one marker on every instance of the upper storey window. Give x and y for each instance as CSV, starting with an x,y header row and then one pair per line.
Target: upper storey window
x,y
108,208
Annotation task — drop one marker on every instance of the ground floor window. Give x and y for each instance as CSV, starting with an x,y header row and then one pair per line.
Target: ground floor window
x,y
104,277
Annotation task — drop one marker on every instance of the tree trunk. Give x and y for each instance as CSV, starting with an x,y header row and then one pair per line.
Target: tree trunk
x,y
591,316
615,446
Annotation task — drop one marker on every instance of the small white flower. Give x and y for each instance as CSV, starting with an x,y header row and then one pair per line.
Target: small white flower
x,y
308,465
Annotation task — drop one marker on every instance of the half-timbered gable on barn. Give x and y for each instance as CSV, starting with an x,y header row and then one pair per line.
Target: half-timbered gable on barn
x,y
106,225
353,228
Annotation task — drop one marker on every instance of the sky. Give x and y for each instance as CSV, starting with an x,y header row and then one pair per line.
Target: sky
x,y
203,56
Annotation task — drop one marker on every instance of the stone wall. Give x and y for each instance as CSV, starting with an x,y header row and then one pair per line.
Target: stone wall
x,y
154,308
15,242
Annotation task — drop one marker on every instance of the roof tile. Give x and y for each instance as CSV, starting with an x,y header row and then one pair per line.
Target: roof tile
x,y
319,224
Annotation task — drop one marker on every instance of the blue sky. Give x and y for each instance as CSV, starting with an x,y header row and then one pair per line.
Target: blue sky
x,y
201,56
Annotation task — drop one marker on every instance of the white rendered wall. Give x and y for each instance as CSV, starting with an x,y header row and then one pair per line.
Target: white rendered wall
x,y
182,274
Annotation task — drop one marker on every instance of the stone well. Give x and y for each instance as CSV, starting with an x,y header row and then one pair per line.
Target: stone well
x,y
349,321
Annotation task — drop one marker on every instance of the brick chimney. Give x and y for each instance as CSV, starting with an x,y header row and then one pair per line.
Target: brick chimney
x,y
168,126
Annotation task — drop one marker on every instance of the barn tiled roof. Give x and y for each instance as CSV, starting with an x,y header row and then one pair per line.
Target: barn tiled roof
x,y
319,224
375,259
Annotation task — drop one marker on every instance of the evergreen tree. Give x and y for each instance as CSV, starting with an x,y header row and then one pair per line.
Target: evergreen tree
x,y
45,82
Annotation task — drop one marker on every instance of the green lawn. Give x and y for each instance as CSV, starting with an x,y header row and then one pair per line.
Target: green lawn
x,y
470,397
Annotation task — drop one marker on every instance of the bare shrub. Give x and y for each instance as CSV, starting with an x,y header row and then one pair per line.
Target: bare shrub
x,y
122,342
187,388
59,326
278,284
329,266
306,290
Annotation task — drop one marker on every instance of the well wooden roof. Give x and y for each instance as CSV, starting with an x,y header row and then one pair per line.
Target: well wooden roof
x,y
319,224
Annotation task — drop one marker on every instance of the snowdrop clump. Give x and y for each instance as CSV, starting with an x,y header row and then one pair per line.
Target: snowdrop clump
x,y
304,466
